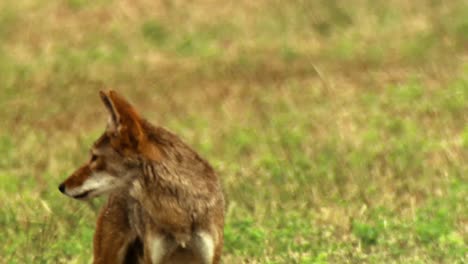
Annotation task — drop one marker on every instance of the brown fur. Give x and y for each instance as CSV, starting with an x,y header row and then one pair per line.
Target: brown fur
x,y
163,189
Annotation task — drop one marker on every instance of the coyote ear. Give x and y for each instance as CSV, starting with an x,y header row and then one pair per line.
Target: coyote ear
x,y
124,122
114,117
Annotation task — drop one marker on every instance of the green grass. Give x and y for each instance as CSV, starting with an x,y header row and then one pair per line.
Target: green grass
x,y
340,131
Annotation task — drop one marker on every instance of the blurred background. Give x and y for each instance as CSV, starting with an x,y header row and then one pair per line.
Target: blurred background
x,y
339,128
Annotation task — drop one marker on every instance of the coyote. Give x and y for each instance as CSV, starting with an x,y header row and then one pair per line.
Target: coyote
x,y
165,202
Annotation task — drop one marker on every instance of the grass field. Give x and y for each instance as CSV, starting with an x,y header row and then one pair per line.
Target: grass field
x,y
339,128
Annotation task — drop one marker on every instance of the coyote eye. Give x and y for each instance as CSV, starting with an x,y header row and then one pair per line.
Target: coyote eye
x,y
94,157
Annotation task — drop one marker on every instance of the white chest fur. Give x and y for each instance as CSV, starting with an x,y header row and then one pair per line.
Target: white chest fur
x,y
202,244
157,248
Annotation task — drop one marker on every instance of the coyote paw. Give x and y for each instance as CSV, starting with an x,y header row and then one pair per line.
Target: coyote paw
x,y
182,238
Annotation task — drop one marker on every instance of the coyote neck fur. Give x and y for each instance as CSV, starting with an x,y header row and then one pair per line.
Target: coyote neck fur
x,y
177,191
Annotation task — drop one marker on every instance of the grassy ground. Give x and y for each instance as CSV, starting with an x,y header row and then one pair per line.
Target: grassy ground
x,y
340,128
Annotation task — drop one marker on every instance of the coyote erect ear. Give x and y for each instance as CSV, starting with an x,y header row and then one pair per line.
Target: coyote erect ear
x,y
124,123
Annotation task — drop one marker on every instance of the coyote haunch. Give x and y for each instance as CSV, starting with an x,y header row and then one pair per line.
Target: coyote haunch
x,y
165,202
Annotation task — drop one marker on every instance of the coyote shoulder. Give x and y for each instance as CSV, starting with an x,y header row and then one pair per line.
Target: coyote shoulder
x,y
165,202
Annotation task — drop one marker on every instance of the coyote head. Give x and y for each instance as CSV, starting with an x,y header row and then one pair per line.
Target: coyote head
x,y
116,156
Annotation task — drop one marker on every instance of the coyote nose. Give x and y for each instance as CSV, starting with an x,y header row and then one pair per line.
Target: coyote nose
x,y
62,188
